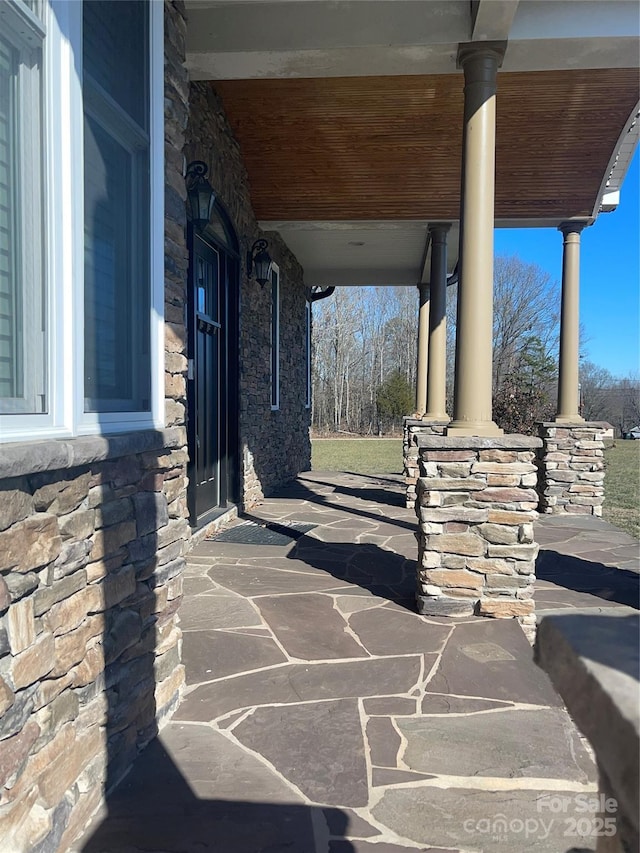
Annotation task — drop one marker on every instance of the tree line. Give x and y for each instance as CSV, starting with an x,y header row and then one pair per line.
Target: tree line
x,y
365,347
605,397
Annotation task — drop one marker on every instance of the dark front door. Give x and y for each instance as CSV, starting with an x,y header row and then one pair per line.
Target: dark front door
x,y
211,379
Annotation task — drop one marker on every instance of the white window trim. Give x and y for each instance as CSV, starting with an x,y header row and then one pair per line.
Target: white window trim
x,y
275,351
21,427
64,236
90,423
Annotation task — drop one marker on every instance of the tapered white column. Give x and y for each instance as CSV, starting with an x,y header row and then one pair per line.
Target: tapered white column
x,y
474,332
423,350
437,362
568,370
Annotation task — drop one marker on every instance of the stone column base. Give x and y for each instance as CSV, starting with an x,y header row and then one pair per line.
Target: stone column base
x,y
571,466
412,429
476,504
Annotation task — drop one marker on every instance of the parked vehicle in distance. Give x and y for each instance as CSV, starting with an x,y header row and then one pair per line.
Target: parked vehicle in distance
x,y
633,433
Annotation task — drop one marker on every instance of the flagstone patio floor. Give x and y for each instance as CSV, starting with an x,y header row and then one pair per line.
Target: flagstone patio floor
x,y
323,715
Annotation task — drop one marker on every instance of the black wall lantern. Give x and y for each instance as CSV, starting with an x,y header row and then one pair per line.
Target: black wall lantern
x,y
260,260
200,194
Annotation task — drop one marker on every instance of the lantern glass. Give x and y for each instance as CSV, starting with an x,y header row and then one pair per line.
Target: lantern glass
x,y
200,195
262,263
206,200
259,262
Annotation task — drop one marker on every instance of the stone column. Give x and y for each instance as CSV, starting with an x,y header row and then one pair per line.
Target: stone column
x,y
476,505
423,349
571,467
473,380
437,362
568,390
412,430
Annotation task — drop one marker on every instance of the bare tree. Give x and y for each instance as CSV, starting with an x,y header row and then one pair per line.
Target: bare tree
x,y
526,306
596,390
361,336
628,391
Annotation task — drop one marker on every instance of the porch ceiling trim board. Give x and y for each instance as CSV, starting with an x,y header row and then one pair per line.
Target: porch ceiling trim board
x,y
234,39
390,147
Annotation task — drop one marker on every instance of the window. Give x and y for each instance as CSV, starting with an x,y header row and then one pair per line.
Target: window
x,y
81,217
307,308
117,370
22,296
275,337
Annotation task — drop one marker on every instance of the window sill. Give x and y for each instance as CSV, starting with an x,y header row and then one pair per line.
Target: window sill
x,y
31,457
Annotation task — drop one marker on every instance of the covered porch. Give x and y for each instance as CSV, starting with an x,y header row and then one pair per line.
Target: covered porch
x,y
384,143
323,715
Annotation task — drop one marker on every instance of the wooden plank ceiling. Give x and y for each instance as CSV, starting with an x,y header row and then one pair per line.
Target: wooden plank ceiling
x,y
389,147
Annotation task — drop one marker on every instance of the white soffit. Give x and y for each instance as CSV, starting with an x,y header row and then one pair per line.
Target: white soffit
x,y
361,253
609,195
248,39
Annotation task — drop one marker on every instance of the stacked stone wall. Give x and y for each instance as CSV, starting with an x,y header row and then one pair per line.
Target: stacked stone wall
x,y
412,429
274,444
176,260
476,505
91,557
571,464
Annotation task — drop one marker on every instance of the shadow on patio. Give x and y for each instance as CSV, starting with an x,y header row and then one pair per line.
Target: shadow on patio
x,y
323,715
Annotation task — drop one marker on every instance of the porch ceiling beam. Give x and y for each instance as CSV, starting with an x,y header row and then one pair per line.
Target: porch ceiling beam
x,y
491,20
234,40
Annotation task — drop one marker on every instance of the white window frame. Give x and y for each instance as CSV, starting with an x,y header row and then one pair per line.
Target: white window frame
x,y
275,338
27,33
62,139
114,422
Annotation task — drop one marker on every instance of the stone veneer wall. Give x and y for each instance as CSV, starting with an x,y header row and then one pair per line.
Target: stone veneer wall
x,y
91,555
412,429
571,465
92,536
275,445
476,504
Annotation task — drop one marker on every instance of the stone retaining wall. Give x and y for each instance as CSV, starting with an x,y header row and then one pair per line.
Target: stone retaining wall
x,y
412,429
476,504
571,465
583,655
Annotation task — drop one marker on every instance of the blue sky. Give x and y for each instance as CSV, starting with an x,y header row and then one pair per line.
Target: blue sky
x,y
609,275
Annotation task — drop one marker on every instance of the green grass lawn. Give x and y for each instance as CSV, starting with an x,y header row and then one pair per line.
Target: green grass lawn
x,y
622,486
384,456
358,455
